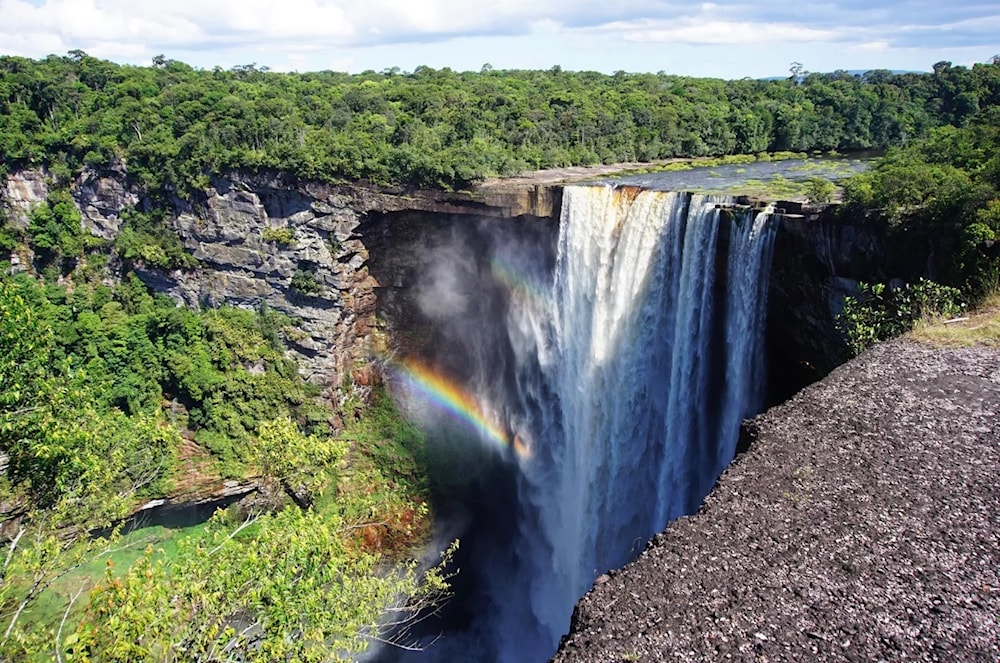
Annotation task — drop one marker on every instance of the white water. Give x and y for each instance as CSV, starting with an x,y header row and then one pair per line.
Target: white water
x,y
653,354
627,369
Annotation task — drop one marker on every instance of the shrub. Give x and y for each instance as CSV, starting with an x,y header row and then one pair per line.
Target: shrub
x,y
819,190
55,227
880,312
304,282
283,236
145,237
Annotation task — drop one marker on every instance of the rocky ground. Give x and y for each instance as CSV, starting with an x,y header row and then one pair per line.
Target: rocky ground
x,y
862,525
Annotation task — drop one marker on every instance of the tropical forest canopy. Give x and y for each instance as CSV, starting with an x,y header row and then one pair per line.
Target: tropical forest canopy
x,y
174,125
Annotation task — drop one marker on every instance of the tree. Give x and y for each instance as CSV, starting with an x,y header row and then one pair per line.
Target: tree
x,y
298,464
72,466
285,586
819,190
796,72
55,228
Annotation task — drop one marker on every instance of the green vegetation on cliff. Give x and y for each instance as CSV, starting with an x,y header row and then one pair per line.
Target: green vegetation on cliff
x,y
175,126
939,197
99,386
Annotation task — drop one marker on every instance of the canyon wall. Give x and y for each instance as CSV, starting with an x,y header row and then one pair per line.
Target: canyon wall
x,y
818,261
230,229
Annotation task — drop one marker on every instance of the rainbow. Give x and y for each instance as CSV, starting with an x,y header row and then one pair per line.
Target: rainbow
x,y
450,397
519,286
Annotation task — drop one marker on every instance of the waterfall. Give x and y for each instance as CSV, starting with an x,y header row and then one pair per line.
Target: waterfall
x,y
630,379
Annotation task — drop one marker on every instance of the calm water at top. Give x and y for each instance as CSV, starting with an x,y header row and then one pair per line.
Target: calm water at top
x,y
781,177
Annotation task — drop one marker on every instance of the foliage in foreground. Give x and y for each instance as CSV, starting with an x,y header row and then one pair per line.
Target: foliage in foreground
x,y
88,430
880,312
299,584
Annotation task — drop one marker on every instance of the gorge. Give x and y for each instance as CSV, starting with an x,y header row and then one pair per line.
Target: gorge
x,y
639,317
618,364
249,287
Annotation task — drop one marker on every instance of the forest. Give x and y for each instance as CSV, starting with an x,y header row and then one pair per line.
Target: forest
x,y
173,125
102,392
105,389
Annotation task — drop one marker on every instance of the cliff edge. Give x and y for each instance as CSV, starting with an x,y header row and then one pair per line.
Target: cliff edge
x,y
863,524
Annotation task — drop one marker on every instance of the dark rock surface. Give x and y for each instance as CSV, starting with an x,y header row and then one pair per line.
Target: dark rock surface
x,y
863,524
818,260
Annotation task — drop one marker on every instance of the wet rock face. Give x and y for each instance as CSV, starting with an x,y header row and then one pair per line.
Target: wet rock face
x,y
863,524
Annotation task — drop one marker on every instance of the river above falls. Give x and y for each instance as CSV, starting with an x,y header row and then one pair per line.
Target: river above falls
x,y
784,178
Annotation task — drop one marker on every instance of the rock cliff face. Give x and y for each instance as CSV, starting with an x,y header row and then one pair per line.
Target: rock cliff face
x,y
818,260
264,239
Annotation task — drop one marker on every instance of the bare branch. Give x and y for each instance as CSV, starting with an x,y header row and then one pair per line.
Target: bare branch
x,y
400,645
251,519
63,622
24,410
20,608
10,553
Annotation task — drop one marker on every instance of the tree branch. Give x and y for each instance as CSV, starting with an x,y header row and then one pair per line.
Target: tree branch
x,y
251,519
22,606
400,645
10,553
63,622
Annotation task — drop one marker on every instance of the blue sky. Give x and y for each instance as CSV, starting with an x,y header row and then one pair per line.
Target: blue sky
x,y
726,39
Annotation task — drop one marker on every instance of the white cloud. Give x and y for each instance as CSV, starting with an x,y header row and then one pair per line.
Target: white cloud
x,y
720,32
880,46
300,34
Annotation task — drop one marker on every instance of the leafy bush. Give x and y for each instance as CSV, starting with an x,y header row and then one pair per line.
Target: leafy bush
x,y
879,312
819,190
284,236
145,238
304,282
900,185
55,229
289,586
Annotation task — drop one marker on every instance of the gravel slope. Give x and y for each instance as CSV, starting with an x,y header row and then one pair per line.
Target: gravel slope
x,y
863,525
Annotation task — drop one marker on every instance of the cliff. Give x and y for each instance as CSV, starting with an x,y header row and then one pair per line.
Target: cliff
x,y
819,259
366,247
862,524
230,229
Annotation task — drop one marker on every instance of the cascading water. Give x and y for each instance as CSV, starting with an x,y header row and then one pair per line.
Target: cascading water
x,y
622,392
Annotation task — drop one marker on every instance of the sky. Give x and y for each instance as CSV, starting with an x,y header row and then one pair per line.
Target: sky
x,y
725,39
